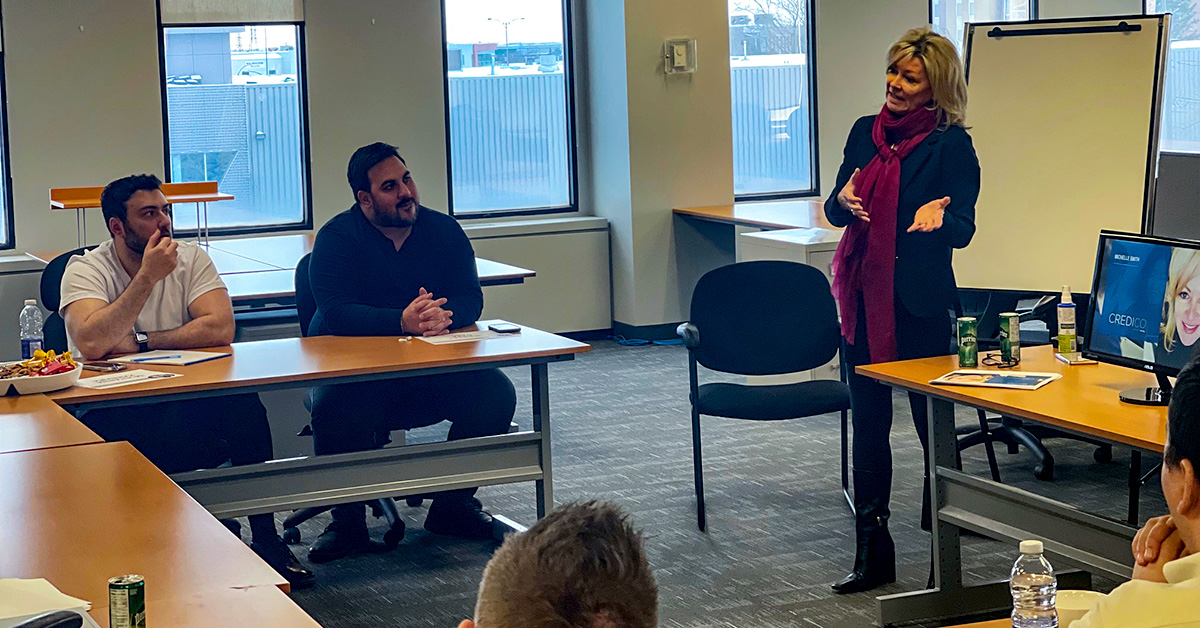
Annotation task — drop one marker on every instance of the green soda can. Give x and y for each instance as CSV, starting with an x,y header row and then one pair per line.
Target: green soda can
x,y
1010,338
127,602
968,347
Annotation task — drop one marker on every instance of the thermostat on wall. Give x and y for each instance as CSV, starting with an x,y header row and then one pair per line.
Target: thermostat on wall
x,y
679,56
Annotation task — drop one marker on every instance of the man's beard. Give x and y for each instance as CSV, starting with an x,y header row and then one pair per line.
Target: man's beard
x,y
136,243
394,218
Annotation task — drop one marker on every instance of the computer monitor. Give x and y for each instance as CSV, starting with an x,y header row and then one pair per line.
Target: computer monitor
x,y
1145,308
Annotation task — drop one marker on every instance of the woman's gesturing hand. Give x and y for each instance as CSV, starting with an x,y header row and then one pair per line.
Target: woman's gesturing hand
x,y
929,216
849,201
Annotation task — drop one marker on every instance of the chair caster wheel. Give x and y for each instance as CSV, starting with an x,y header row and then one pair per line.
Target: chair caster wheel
x,y
1043,472
1103,455
413,502
394,535
291,536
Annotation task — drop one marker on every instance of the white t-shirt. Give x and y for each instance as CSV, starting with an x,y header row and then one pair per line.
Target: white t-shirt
x,y
1141,604
98,274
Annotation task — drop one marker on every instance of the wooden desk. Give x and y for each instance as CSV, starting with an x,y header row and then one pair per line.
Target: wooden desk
x,y
278,251
81,198
254,607
1084,402
327,480
31,422
764,215
80,515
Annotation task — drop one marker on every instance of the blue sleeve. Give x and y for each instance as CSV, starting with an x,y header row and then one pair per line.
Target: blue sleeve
x,y
834,212
464,296
962,186
333,272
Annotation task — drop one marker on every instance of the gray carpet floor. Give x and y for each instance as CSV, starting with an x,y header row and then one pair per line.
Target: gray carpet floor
x,y
778,534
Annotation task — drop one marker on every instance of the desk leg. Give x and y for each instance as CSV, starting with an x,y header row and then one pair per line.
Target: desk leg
x,y
943,452
541,425
80,228
1135,486
205,223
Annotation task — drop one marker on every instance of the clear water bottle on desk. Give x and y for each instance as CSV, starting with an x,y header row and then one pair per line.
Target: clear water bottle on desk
x,y
31,329
1034,589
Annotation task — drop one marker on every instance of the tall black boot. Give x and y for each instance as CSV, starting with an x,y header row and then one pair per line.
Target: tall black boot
x,y
875,553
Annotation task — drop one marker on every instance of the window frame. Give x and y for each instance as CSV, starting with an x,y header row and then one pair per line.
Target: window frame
x,y
9,216
1034,15
813,114
571,130
306,223
1161,150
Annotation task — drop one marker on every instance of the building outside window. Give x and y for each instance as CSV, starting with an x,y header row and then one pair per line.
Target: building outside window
x,y
1181,92
235,116
951,16
771,75
508,92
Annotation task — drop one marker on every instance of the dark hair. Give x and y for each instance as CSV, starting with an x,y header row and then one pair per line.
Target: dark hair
x,y
1183,418
363,160
117,193
583,566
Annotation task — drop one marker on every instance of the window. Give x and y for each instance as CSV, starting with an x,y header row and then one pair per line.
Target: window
x,y
949,17
6,205
508,87
770,53
234,116
1181,92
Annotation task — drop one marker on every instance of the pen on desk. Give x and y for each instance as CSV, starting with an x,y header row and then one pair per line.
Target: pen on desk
x,y
156,357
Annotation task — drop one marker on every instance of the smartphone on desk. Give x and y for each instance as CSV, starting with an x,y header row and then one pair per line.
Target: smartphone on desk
x,y
505,328
103,367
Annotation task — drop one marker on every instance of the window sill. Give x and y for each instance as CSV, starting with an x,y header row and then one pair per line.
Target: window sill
x,y
539,226
13,262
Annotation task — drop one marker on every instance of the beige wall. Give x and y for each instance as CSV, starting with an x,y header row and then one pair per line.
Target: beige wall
x,y
661,141
374,74
852,41
84,105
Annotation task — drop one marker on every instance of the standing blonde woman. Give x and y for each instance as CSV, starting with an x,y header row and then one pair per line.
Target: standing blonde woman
x,y
906,195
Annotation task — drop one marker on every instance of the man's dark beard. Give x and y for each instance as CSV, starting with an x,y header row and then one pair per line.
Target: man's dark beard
x,y
393,218
136,243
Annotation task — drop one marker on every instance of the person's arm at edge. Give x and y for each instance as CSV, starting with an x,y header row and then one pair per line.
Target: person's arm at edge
x,y
331,270
212,324
96,326
837,215
958,221
465,296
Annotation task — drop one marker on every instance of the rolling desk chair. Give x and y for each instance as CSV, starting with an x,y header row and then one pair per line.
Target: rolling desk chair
x,y
306,308
798,331
54,330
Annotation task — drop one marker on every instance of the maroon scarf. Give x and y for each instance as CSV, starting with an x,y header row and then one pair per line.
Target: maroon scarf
x,y
865,263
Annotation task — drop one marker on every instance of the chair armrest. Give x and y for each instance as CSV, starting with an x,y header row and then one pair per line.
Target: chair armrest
x,y
690,335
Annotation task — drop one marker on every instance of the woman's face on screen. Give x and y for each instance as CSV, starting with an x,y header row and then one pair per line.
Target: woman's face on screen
x,y
907,86
1187,311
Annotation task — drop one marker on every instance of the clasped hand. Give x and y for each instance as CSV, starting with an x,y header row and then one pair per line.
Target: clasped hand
x,y
426,317
1155,545
928,218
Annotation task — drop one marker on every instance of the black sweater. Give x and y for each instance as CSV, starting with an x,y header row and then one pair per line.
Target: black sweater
x,y
362,283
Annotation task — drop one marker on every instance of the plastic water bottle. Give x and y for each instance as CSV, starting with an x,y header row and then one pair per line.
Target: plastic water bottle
x,y
31,329
1034,589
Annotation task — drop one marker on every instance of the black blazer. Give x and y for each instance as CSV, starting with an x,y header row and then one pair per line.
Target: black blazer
x,y
943,165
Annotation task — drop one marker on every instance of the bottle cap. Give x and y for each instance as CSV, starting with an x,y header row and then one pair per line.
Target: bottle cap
x,y
1032,547
1066,294
30,302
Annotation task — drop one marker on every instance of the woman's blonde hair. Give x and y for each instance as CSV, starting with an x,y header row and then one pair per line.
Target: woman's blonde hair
x,y
1185,264
943,67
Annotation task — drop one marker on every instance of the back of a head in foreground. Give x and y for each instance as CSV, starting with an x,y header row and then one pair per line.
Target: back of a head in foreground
x,y
582,566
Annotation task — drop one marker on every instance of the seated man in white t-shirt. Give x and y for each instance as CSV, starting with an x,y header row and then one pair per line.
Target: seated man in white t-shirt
x,y
144,290
1165,590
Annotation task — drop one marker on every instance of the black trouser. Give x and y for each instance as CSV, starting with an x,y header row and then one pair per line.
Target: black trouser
x,y
178,436
358,416
871,402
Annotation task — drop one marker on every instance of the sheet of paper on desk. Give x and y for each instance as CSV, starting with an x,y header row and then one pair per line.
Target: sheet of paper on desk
x,y
462,336
123,378
24,599
1020,380
170,357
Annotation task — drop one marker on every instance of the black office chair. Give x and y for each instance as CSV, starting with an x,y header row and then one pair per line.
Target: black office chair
x,y
306,308
56,619
54,330
795,328
1014,433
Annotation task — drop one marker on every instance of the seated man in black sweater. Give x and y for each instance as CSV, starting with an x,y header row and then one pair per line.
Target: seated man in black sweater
x,y
389,267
